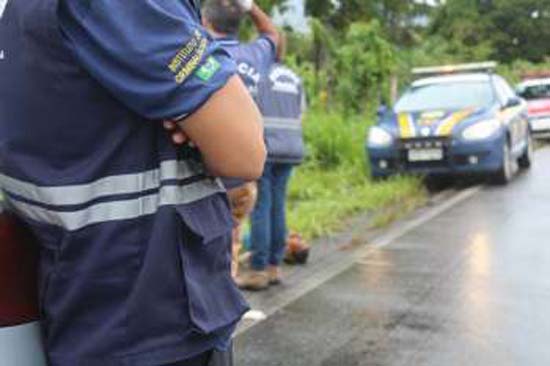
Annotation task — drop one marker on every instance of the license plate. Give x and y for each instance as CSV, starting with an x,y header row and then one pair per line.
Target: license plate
x,y
425,154
541,124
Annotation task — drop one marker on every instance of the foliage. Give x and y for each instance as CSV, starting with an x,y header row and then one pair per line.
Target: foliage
x,y
333,184
344,71
320,201
518,68
512,28
394,15
520,28
339,15
365,62
333,140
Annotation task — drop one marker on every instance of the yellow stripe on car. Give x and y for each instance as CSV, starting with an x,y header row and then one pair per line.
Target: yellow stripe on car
x,y
406,126
447,126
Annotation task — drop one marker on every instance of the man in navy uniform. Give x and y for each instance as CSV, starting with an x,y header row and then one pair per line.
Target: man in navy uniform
x,y
254,60
281,99
134,231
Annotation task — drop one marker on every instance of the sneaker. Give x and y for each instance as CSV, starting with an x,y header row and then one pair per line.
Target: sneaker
x,y
275,275
253,281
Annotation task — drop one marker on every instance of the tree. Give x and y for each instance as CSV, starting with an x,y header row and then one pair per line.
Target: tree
x,y
395,16
513,28
363,67
460,21
520,29
340,14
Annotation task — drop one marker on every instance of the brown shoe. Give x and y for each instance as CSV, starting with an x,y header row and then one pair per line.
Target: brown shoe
x,y
275,275
253,281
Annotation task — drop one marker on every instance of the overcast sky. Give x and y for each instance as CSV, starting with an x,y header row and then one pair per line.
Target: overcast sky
x,y
295,16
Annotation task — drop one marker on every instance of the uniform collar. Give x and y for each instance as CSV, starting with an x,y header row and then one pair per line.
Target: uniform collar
x,y
227,40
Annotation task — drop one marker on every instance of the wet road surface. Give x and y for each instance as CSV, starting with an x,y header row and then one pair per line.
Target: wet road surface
x,y
470,286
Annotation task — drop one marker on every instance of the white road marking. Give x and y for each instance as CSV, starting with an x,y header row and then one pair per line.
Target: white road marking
x,y
255,315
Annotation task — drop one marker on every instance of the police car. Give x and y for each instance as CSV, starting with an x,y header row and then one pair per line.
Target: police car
x,y
458,119
20,336
535,89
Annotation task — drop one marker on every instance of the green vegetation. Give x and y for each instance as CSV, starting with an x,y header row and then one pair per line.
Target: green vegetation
x,y
333,184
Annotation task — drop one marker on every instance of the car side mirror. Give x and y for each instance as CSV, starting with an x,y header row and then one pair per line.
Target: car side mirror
x,y
512,102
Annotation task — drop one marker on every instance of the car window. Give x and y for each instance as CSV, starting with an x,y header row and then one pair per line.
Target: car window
x,y
540,91
505,92
446,96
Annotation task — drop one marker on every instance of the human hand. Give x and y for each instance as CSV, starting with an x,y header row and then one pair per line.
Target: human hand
x,y
178,136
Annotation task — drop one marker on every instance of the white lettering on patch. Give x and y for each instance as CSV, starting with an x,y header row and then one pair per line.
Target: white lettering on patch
x,y
285,81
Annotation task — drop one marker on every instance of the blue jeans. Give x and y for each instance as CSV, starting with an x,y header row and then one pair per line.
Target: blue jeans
x,y
269,231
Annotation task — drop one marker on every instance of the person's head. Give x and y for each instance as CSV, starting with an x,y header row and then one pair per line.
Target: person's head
x,y
222,16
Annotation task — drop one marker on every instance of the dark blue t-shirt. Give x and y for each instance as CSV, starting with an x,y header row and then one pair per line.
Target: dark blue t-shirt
x,y
134,234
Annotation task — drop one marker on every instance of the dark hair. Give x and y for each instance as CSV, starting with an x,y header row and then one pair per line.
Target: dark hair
x,y
224,15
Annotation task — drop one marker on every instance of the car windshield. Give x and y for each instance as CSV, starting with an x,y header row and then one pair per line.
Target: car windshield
x,y
536,92
446,96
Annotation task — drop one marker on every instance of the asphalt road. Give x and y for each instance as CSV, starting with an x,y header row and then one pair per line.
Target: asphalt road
x,y
467,284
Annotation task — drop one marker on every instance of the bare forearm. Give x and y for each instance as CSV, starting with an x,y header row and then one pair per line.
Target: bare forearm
x,y
264,24
227,131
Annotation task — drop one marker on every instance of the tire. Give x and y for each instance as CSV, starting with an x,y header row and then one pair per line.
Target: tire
x,y
505,174
526,160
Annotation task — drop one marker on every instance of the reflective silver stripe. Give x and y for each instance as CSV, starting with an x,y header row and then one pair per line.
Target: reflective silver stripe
x,y
108,186
122,209
283,123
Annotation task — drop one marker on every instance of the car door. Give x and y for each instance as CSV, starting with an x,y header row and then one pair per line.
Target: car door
x,y
513,115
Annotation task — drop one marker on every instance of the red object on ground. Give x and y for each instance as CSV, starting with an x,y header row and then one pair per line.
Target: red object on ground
x,y
18,273
297,250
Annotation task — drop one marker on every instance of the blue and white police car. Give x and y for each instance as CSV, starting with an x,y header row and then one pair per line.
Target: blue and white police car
x,y
455,119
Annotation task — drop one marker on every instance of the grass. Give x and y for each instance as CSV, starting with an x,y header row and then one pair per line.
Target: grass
x,y
334,183
321,201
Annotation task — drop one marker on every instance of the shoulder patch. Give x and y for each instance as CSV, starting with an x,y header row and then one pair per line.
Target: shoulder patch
x,y
209,69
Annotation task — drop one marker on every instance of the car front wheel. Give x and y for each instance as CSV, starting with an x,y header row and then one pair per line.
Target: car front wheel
x,y
506,172
526,159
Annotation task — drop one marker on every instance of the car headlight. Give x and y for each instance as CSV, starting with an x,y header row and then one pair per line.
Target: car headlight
x,y
379,137
481,130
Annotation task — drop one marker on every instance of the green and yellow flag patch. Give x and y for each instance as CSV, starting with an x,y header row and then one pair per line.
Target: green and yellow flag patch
x,y
209,69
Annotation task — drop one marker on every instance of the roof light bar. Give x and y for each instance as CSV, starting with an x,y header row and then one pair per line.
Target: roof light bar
x,y
455,69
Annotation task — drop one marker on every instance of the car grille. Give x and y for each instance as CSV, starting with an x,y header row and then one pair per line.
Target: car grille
x,y
424,143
